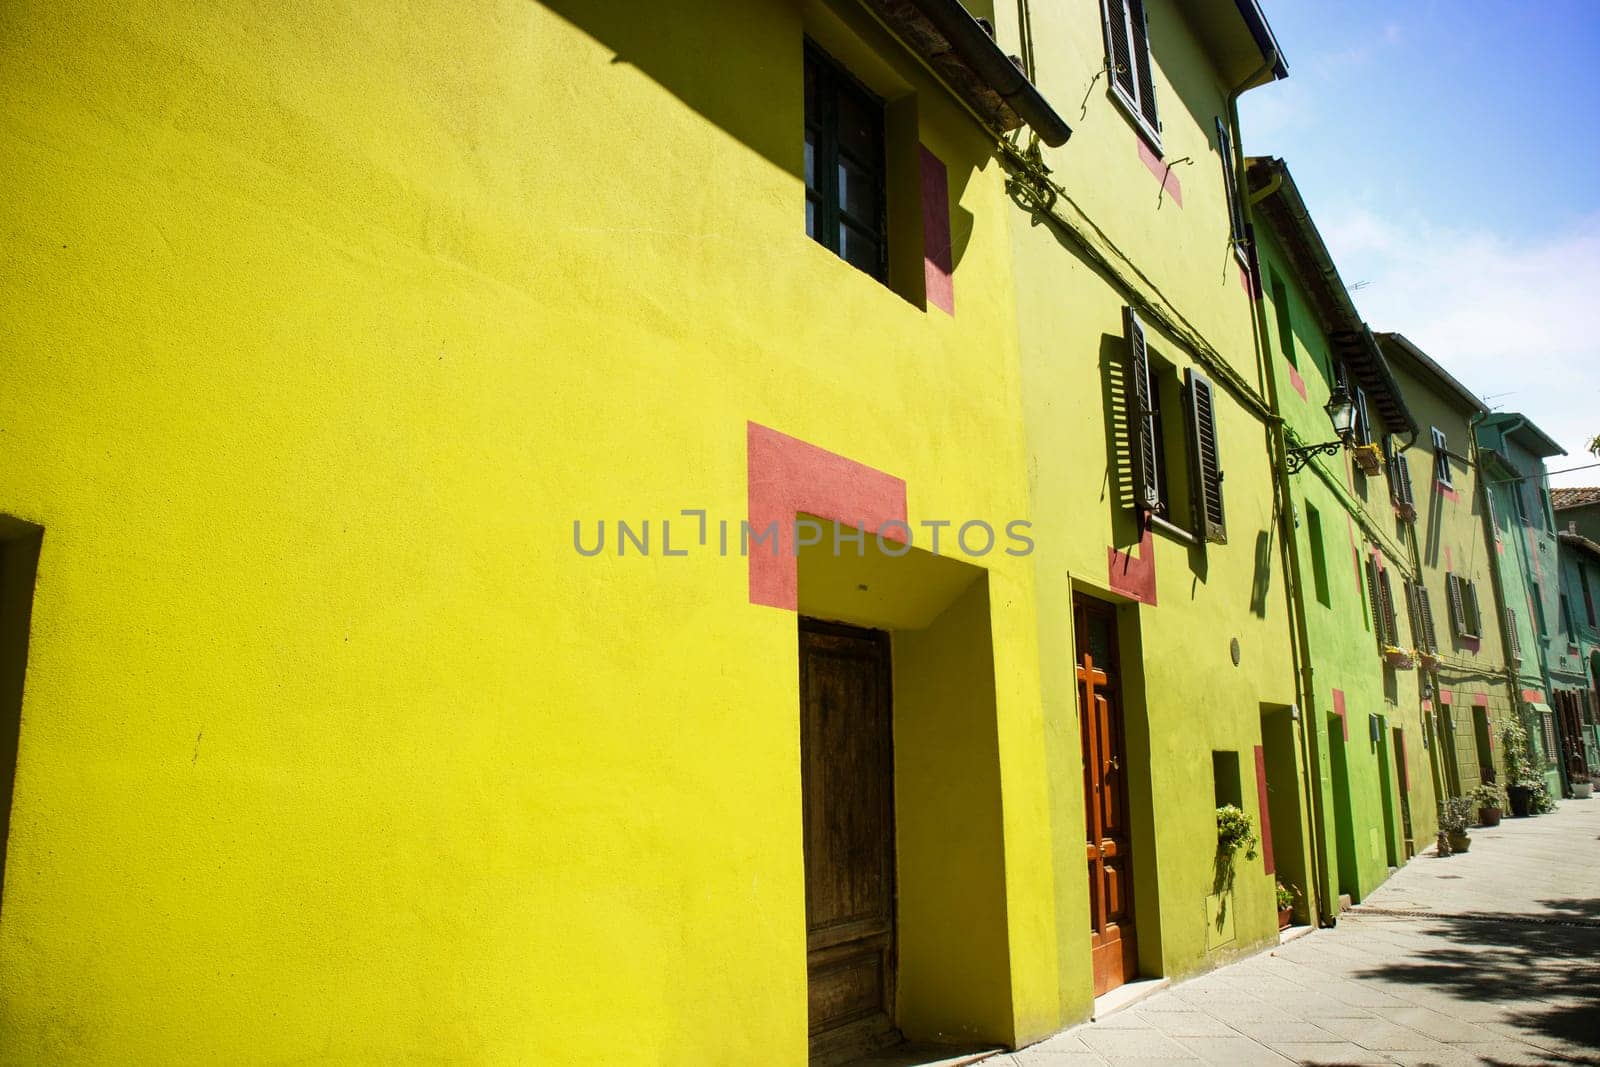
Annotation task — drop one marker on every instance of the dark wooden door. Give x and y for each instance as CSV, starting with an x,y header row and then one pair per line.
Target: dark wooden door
x,y
1105,796
847,781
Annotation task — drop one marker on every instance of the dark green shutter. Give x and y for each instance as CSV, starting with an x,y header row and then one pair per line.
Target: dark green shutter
x,y
1391,623
1147,492
1230,185
1513,638
1119,49
1205,463
1375,598
1472,601
1425,610
1458,616
1141,54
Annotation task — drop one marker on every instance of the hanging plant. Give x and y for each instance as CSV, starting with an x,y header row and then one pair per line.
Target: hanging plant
x,y
1235,831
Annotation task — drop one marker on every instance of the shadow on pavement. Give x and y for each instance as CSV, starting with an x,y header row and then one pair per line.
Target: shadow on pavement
x,y
1546,963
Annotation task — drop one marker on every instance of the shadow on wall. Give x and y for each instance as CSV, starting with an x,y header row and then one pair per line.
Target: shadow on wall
x,y
1544,966
19,561
747,97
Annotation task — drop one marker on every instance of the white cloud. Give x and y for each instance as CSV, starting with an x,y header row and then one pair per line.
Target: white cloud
x,y
1519,318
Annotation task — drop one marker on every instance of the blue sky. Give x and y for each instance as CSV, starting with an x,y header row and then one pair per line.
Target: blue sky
x,y
1450,153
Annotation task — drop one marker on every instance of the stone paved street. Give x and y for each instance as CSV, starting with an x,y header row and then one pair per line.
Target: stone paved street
x,y
1492,957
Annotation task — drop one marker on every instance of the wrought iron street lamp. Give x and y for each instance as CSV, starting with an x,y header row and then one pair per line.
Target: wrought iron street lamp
x,y
1342,413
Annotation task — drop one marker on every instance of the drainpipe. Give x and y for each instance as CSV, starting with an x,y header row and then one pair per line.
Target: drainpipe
x,y
1300,644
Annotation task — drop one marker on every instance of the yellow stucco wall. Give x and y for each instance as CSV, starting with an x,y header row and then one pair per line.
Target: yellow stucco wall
x,y
325,324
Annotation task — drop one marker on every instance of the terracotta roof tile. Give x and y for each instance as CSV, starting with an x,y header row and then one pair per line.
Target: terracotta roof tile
x,y
1574,498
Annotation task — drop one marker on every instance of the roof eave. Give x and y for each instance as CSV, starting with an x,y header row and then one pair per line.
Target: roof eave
x,y
944,34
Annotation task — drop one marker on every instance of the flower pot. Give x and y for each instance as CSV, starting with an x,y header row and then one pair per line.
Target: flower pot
x,y
1582,789
1459,842
1488,816
1521,798
1285,917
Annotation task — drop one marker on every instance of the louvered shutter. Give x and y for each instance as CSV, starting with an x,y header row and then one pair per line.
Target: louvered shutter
x,y
1205,462
1400,480
1413,614
1425,610
1230,184
1458,618
1141,55
1513,638
1141,432
1119,49
1391,625
1472,606
1363,421
1375,598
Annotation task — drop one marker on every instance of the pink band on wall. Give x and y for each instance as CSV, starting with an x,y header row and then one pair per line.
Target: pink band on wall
x,y
1338,709
787,477
1164,174
938,262
1266,812
1298,382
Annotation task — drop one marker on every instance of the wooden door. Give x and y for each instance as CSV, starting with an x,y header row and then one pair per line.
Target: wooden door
x,y
1105,796
847,782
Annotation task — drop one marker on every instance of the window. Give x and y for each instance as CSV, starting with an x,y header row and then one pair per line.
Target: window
x,y
1547,516
1538,610
1422,631
1400,480
1588,597
1519,505
1363,419
1280,308
1568,627
1237,234
1384,624
1319,561
1441,459
1464,615
1128,60
844,165
1513,638
1155,437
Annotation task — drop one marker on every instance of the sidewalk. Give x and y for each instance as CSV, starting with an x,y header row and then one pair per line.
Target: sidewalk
x,y
1492,957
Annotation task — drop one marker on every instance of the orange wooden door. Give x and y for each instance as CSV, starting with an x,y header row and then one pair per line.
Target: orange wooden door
x,y
847,783
1105,795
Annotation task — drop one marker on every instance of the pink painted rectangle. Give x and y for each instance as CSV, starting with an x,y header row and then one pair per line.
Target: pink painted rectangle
x,y
1298,382
1338,709
1446,697
1480,700
938,266
1169,180
1266,811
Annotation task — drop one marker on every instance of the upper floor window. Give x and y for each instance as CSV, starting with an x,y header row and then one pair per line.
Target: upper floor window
x,y
1128,59
1173,428
1441,459
1238,235
1280,308
844,165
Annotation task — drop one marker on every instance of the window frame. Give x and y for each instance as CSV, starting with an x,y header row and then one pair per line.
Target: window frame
x,y
834,79
1441,459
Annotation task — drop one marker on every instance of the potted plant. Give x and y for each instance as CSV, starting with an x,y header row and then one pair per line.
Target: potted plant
x,y
1286,895
1369,458
1235,830
1399,658
1491,801
1454,818
1523,783
1578,775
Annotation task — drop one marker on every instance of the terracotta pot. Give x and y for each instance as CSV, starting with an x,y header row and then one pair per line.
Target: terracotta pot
x,y
1488,816
1521,798
1459,842
1285,917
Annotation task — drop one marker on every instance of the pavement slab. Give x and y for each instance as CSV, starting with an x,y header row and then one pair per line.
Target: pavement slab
x,y
1490,958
